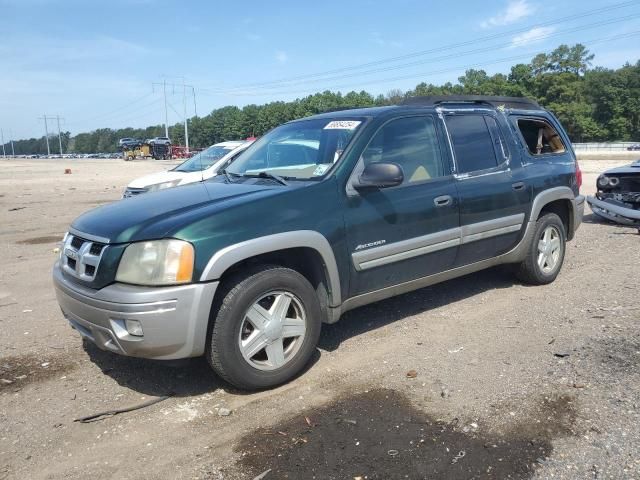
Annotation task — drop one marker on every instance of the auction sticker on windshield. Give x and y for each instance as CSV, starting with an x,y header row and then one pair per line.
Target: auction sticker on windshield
x,y
342,125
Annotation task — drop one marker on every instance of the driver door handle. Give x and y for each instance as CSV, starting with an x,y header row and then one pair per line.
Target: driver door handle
x,y
443,201
517,186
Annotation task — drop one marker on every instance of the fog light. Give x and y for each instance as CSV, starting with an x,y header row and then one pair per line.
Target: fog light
x,y
134,327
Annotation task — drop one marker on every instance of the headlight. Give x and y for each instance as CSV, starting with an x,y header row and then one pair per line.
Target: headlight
x,y
158,262
603,181
163,185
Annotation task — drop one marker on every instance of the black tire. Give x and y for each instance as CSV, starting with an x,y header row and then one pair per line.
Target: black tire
x,y
529,271
238,295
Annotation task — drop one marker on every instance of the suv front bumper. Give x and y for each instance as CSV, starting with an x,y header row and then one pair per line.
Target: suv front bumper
x,y
174,319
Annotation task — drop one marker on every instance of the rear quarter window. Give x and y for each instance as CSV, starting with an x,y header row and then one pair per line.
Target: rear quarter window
x,y
540,137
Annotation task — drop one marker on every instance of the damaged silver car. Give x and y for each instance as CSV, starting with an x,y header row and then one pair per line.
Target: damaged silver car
x,y
618,196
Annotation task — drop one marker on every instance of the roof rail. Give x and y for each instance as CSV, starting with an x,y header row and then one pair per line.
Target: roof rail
x,y
506,102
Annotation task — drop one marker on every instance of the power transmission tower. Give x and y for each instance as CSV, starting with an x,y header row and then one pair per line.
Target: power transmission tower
x,y
13,152
57,118
59,136
184,86
46,133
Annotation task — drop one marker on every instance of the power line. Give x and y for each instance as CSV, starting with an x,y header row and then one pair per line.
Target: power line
x,y
135,116
561,20
111,112
462,67
464,53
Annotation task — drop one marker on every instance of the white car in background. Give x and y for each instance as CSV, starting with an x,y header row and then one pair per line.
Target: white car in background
x,y
201,166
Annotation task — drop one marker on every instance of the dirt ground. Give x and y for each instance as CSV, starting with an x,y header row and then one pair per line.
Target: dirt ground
x,y
479,377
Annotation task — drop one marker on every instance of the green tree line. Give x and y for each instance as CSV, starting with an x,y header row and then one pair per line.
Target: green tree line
x,y
593,104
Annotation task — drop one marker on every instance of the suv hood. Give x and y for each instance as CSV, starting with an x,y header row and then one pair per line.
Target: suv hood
x,y
155,215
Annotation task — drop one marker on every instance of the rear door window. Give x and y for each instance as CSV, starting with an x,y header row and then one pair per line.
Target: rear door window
x,y
473,144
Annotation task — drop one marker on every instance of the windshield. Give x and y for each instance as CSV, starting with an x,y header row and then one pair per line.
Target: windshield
x,y
204,159
299,150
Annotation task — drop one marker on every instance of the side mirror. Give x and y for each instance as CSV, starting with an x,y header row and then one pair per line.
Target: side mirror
x,y
379,175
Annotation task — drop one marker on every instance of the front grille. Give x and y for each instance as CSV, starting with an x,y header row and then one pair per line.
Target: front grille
x,y
131,192
96,248
629,183
81,258
76,242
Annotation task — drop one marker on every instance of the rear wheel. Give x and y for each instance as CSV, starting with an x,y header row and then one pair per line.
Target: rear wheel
x,y
266,328
546,251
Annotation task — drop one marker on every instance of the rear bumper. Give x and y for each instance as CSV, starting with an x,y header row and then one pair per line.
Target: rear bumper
x,y
174,319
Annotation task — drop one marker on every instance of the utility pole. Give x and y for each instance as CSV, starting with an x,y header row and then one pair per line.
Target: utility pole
x,y
195,109
4,154
46,133
166,115
13,152
59,136
184,106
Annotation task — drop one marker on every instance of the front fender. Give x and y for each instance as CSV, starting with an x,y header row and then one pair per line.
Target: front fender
x,y
225,258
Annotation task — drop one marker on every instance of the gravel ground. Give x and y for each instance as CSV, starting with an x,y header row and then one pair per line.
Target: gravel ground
x,y
479,377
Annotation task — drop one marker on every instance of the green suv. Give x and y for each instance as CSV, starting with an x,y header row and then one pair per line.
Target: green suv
x,y
320,216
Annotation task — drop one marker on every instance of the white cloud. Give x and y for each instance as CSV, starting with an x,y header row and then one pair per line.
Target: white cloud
x,y
535,35
378,39
516,10
282,57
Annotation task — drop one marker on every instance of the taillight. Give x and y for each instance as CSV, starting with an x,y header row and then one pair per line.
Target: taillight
x,y
578,175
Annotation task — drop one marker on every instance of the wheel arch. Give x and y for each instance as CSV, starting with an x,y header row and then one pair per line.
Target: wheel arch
x,y
306,251
558,200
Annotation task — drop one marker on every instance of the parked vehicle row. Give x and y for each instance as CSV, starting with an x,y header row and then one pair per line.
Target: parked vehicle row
x,y
320,216
74,155
128,142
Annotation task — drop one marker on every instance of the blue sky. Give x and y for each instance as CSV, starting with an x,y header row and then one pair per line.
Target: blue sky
x,y
94,62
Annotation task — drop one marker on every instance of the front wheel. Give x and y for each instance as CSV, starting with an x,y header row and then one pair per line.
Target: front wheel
x,y
546,252
266,328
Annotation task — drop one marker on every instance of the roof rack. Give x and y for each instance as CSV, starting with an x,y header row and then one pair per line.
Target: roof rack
x,y
506,102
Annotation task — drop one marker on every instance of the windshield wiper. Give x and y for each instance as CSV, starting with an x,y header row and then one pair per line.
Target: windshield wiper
x,y
264,174
227,175
273,176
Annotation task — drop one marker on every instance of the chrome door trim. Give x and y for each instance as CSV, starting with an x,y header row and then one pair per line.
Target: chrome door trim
x,y
404,249
514,255
414,247
492,228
